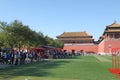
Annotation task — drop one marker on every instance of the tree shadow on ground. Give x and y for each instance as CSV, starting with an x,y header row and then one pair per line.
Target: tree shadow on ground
x,y
38,69
72,57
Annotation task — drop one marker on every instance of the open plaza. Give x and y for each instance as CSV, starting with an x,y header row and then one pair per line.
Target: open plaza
x,y
70,68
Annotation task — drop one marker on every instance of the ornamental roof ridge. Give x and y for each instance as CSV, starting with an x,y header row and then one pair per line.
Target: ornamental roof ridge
x,y
82,33
114,24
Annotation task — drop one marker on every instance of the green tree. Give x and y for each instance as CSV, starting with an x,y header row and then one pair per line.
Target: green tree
x,y
4,34
49,41
15,34
58,43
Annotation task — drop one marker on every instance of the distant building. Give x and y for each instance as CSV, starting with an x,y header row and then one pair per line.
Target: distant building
x,y
110,38
82,41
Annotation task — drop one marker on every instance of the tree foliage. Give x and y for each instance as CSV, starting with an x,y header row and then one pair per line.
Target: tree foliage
x,y
15,34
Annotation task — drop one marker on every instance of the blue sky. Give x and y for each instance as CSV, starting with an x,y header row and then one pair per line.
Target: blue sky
x,y
53,17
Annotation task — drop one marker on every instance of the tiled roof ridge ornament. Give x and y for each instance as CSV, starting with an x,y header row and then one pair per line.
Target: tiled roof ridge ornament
x,y
115,22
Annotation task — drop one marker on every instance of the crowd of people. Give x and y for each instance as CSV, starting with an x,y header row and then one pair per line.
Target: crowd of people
x,y
28,56
13,56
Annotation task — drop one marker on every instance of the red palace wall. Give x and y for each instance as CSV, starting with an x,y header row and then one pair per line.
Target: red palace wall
x,y
101,47
106,45
92,48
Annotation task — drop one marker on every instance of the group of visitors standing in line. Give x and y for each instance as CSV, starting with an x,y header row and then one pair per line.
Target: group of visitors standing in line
x,y
23,56
28,56
18,57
